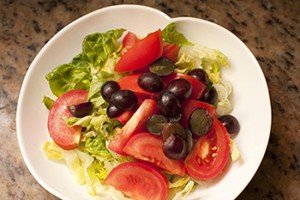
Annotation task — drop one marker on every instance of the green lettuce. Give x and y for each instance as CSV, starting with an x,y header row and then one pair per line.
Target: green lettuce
x,y
98,47
197,56
172,36
99,55
48,102
68,77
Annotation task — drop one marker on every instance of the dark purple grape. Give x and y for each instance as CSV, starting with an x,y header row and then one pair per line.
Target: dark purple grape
x,y
124,99
173,128
156,123
181,88
162,67
189,141
108,89
175,147
169,106
200,122
113,111
150,82
230,123
200,75
211,96
81,110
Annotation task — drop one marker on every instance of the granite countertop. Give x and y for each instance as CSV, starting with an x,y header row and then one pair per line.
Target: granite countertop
x,y
271,29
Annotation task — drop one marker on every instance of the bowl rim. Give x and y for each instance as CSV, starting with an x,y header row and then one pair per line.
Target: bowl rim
x,y
40,54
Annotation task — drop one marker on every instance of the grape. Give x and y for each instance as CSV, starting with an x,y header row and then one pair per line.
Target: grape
x,y
150,82
108,89
230,123
200,75
124,99
81,110
181,88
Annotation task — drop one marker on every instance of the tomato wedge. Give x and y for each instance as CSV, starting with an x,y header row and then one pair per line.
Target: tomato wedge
x,y
64,136
124,117
147,147
190,105
130,82
138,119
198,87
210,154
142,53
129,40
139,181
171,51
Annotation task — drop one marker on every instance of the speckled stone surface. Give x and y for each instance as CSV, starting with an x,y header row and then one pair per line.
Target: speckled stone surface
x,y
271,29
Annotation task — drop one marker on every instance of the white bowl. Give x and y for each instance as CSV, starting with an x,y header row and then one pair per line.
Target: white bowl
x,y
250,97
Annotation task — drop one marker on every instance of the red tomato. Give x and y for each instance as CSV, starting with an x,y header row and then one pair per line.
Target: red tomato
x,y
130,83
124,117
147,147
139,181
64,136
210,154
142,53
199,88
171,51
190,105
129,40
138,119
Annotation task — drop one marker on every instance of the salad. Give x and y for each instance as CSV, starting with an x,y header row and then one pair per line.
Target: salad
x,y
141,117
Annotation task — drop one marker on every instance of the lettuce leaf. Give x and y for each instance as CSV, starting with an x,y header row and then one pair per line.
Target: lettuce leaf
x,y
98,47
180,187
197,56
99,54
68,77
172,36
48,102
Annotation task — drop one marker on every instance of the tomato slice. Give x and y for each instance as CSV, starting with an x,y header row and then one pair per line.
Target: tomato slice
x,y
210,154
147,147
170,51
198,87
142,53
138,119
129,40
130,82
139,181
64,136
190,105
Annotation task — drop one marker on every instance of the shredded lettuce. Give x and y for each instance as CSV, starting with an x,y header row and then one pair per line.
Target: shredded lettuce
x,y
197,56
86,169
235,153
180,187
224,90
172,36
48,102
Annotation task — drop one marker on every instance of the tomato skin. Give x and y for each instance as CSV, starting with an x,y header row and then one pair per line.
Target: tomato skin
x,y
130,82
124,117
171,51
190,105
129,40
142,53
64,136
135,123
139,181
147,147
210,154
198,87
